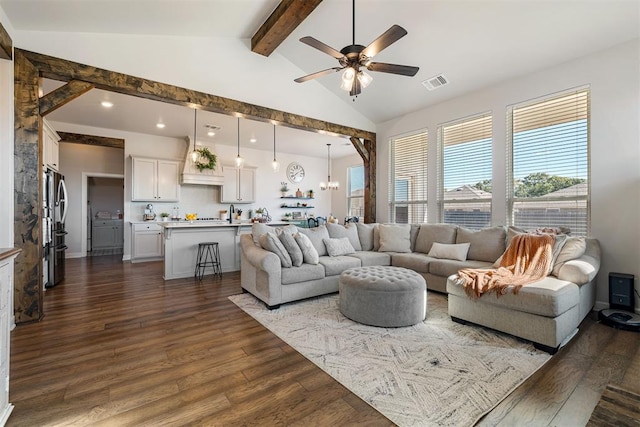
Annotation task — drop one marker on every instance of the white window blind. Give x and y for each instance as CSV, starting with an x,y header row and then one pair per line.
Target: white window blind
x,y
464,190
549,172
355,193
408,179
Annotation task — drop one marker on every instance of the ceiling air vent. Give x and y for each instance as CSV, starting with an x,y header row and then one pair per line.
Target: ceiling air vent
x,y
434,83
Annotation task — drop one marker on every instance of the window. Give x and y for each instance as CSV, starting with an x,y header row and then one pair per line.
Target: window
x,y
548,181
355,191
464,191
408,179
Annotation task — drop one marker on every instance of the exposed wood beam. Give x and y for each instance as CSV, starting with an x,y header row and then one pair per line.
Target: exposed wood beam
x,y
6,44
62,95
60,69
28,290
359,146
101,141
370,176
284,19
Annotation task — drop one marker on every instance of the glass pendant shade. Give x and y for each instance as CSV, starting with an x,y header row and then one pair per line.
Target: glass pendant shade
x,y
194,153
239,160
347,79
274,165
364,79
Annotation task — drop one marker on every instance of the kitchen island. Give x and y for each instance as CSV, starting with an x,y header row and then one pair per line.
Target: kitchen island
x,y
181,239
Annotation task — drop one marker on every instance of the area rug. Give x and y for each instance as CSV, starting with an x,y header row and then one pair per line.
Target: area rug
x,y
434,373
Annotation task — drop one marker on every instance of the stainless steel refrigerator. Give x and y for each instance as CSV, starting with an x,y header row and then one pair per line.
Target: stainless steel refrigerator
x,y
55,212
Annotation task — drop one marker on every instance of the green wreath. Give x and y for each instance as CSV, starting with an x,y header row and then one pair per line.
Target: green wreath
x,y
205,154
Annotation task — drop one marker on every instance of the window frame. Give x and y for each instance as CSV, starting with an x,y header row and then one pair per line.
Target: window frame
x,y
349,191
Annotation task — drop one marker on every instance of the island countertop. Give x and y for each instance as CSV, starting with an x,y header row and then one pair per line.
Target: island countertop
x,y
207,224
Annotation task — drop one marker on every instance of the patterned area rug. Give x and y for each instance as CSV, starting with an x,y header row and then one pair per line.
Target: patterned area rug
x,y
435,373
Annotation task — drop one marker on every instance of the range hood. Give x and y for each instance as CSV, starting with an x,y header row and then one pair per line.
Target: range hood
x,y
191,174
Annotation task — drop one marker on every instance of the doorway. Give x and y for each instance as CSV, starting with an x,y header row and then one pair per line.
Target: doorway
x,y
103,205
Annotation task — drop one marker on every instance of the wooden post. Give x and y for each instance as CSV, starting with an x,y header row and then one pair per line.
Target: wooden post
x,y
28,293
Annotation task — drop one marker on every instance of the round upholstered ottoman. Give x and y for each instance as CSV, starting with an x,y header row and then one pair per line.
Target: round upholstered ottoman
x,y
383,296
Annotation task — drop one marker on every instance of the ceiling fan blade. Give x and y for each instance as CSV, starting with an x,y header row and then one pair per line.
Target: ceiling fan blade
x,y
321,47
317,74
403,70
392,35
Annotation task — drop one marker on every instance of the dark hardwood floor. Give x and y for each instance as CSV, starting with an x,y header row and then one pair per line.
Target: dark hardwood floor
x,y
119,346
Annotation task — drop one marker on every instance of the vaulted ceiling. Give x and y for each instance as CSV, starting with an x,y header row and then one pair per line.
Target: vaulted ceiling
x,y
474,43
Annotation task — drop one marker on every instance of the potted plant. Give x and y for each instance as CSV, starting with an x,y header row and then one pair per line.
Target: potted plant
x,y
284,187
259,212
164,216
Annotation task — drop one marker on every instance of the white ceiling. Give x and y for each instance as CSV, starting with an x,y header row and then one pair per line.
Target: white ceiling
x,y
474,43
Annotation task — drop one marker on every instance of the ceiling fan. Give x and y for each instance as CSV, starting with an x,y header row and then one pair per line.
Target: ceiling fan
x,y
355,58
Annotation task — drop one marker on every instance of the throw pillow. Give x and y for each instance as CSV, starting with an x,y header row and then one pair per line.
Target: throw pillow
x,y
365,235
258,229
573,248
337,247
429,233
292,248
309,252
317,236
455,251
560,240
485,245
350,231
395,237
271,243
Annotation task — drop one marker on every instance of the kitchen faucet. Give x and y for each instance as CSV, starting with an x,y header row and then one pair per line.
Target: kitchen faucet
x,y
232,210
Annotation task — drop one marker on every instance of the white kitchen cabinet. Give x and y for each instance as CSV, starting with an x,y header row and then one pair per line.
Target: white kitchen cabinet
x,y
51,146
107,234
6,324
154,180
239,185
146,242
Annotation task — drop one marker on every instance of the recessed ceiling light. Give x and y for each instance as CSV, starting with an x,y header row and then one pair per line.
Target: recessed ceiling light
x,y
211,129
211,133
160,125
253,140
106,104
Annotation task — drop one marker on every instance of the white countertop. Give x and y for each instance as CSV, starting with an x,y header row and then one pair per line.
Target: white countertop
x,y
200,224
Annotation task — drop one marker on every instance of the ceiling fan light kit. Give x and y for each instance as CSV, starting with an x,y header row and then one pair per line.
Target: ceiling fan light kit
x,y
355,58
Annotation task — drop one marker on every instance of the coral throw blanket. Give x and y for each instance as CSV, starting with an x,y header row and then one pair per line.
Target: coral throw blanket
x,y
526,260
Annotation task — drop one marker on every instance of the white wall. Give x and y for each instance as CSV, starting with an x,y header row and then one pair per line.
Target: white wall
x,y
6,144
76,160
201,199
220,66
613,76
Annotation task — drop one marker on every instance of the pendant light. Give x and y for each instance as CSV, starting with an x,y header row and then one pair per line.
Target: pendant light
x,y
194,153
274,165
239,160
330,185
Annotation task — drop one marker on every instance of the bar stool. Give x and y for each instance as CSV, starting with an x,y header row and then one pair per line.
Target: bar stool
x,y
208,256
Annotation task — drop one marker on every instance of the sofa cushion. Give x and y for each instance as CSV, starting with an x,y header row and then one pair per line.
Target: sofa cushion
x,y
271,243
414,261
429,233
447,267
337,247
395,237
573,248
371,258
335,265
413,235
486,244
258,229
547,297
365,235
350,231
457,251
302,274
317,236
289,243
309,252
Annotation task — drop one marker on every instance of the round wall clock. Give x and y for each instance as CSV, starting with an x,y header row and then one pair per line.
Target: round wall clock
x,y
295,172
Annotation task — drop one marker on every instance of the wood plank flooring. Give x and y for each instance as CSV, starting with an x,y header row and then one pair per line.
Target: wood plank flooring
x,y
120,346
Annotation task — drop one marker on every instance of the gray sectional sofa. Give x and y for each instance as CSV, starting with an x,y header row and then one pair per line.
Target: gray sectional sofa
x,y
547,312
